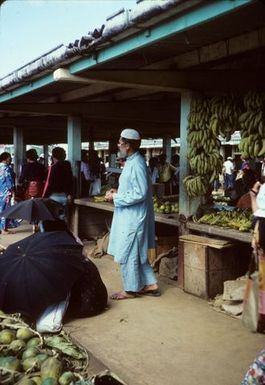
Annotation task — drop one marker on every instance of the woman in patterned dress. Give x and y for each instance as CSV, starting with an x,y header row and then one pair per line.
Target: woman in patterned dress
x,y
256,372
7,186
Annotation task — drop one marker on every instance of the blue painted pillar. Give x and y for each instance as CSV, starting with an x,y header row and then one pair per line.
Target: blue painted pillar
x,y
19,153
74,125
187,207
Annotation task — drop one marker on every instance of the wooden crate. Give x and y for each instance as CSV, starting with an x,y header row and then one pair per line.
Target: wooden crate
x,y
207,263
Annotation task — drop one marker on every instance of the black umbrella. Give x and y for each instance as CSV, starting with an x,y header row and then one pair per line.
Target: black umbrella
x,y
38,271
34,210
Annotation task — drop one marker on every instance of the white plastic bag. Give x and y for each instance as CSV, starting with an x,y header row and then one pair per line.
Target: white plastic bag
x,y
51,320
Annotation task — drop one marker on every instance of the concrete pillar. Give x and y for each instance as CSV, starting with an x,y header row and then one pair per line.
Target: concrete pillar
x,y
74,148
167,147
187,206
113,149
46,154
74,140
19,146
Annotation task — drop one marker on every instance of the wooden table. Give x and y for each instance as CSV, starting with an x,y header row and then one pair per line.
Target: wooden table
x,y
168,219
226,233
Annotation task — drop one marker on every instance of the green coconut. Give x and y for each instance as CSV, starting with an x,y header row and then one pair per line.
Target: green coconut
x,y
30,362
49,381
30,352
24,334
37,380
41,357
35,341
7,336
10,363
66,378
17,345
51,368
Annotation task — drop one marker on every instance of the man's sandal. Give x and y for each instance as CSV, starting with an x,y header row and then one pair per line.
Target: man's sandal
x,y
150,292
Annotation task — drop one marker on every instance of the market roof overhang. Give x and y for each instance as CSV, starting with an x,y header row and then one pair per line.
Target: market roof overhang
x,y
135,79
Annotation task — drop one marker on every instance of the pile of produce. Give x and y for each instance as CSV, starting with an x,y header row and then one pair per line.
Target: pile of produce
x,y
166,207
219,197
28,358
239,219
99,198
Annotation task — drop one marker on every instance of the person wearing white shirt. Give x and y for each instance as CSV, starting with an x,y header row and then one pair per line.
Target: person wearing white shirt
x,y
228,171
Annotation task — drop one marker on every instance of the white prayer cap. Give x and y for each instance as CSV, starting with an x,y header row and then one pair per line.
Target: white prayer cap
x,y
130,133
229,158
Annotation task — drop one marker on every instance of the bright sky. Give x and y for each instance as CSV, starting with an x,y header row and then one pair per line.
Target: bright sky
x,y
30,28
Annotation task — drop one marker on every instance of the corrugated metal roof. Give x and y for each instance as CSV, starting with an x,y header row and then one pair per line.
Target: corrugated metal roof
x,y
124,20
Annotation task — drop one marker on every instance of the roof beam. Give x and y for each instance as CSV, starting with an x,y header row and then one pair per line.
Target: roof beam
x,y
207,11
145,111
175,81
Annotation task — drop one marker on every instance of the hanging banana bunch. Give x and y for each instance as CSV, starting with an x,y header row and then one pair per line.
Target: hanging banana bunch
x,y
203,150
225,111
252,123
195,185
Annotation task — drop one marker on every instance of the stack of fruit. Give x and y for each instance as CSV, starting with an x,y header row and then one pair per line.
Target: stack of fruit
x,y
237,219
165,207
99,198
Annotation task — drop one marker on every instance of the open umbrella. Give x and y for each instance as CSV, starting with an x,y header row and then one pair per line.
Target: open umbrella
x,y
39,271
34,210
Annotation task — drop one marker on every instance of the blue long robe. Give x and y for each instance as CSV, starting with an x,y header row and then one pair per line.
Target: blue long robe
x,y
6,187
133,226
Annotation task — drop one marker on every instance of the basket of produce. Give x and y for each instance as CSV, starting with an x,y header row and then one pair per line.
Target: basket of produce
x,y
30,358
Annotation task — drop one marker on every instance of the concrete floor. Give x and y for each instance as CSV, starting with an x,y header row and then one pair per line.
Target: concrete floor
x,y
171,340
24,230
175,339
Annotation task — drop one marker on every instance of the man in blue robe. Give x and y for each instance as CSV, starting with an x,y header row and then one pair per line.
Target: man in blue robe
x,y
133,227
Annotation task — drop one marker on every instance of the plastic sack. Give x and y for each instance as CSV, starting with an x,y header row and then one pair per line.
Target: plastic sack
x,y
250,314
51,320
